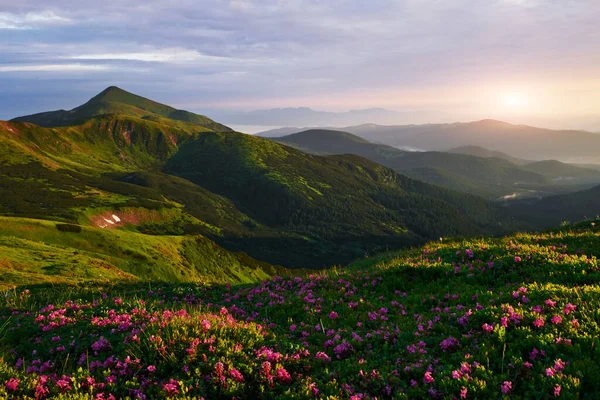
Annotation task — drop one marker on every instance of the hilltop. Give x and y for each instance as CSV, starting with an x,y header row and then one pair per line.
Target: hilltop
x,y
114,100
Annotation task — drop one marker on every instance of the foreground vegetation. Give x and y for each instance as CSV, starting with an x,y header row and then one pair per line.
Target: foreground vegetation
x,y
516,317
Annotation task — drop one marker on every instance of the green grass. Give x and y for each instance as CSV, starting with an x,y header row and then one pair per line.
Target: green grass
x,y
514,317
35,251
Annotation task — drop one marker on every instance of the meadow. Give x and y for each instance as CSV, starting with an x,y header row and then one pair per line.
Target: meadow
x,y
515,317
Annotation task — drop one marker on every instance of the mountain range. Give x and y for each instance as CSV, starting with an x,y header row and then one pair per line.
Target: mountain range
x,y
520,141
469,169
134,184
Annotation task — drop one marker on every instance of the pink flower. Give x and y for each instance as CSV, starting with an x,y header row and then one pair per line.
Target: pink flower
x,y
487,327
64,384
427,378
463,393
569,308
205,325
171,387
293,327
517,259
506,387
151,368
538,323
557,319
236,375
283,376
12,385
550,303
557,389
333,315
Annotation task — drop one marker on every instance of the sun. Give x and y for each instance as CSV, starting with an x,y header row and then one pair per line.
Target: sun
x,y
515,101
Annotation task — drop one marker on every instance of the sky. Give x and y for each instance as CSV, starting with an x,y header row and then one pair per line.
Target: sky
x,y
526,61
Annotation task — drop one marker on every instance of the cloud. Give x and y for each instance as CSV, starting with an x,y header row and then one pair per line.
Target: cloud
x,y
388,53
62,68
30,20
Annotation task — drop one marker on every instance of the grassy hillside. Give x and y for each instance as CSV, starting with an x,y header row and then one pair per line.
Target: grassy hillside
x,y
514,317
342,205
490,177
37,251
114,100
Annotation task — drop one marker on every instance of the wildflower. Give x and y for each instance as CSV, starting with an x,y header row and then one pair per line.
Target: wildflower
x,y
151,368
171,387
517,259
538,323
64,384
550,303
487,327
427,378
557,389
236,375
569,308
333,315
463,393
283,376
506,387
449,344
557,319
12,385
205,325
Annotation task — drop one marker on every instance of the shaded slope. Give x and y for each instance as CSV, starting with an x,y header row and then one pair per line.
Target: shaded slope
x,y
479,151
342,205
488,177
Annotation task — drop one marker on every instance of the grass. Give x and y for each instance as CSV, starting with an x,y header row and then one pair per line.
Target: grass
x,y
495,318
35,251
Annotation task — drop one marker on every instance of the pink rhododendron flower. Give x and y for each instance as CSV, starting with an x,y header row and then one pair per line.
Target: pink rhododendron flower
x,y
506,387
12,385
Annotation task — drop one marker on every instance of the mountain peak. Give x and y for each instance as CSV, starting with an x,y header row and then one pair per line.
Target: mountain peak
x,y
114,100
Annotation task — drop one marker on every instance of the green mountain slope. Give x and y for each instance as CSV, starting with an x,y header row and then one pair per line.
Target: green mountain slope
x,y
479,151
488,177
114,100
553,210
37,251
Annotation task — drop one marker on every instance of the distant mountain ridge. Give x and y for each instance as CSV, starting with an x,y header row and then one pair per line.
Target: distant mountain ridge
x,y
304,116
491,177
519,141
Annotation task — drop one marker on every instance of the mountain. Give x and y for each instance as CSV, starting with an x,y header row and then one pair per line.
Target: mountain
x,y
304,116
114,100
488,177
553,210
519,141
244,194
563,172
478,151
